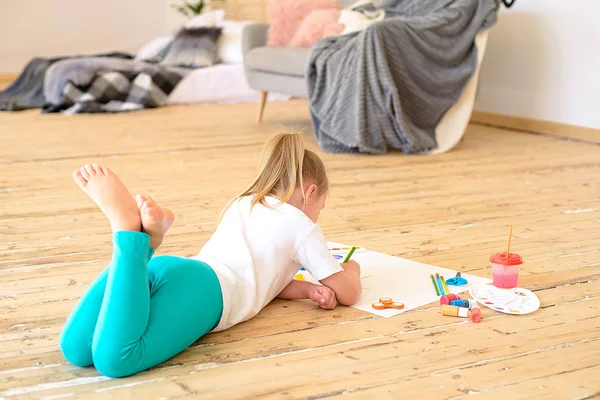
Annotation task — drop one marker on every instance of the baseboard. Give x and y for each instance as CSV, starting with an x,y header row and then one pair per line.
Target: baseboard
x,y
478,117
536,126
6,79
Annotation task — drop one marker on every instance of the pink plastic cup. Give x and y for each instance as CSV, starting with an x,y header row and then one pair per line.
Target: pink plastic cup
x,y
505,269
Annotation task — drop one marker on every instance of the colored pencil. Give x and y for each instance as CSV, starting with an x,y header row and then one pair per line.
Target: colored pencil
x,y
439,282
444,283
437,292
349,255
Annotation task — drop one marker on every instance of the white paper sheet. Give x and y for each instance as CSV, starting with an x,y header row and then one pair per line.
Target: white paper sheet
x,y
403,280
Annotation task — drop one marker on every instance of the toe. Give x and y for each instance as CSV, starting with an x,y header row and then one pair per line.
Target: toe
x,y
90,169
149,200
146,206
79,179
84,173
139,200
77,174
104,169
97,169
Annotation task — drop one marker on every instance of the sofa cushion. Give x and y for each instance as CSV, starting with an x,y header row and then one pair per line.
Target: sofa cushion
x,y
291,61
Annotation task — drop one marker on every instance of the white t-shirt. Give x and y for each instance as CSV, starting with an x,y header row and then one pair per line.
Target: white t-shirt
x,y
256,253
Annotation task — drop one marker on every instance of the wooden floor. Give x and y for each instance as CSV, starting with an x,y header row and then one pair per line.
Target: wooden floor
x,y
451,210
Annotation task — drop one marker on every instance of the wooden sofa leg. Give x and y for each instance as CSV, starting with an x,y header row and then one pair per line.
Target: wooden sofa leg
x,y
261,106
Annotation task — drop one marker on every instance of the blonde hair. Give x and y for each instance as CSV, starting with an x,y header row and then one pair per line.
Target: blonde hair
x,y
284,164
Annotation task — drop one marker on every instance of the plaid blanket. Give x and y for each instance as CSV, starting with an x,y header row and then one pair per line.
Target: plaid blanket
x,y
117,91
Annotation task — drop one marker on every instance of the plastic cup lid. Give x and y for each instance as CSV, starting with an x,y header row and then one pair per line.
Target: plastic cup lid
x,y
501,258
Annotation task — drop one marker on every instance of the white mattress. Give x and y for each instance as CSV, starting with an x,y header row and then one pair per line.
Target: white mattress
x,y
223,83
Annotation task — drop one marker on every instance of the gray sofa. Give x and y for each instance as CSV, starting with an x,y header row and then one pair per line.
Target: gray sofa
x,y
272,69
275,69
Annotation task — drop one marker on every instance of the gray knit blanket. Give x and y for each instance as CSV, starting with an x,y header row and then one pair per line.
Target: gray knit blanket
x,y
389,85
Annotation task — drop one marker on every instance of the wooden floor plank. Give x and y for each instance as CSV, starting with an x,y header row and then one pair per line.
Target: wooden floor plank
x,y
334,365
496,375
451,210
422,325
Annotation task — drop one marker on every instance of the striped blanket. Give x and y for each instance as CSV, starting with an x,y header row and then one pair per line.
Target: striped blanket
x,y
389,85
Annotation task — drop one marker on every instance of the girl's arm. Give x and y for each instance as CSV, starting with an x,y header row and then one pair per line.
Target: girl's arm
x,y
313,253
346,284
295,290
322,295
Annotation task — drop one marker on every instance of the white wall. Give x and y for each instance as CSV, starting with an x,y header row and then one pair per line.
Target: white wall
x,y
542,59
64,27
543,62
49,28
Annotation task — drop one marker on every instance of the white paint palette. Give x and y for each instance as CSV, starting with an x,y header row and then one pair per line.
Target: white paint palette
x,y
516,301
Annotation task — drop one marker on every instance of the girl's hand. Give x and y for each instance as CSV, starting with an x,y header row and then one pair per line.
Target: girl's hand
x,y
352,266
323,296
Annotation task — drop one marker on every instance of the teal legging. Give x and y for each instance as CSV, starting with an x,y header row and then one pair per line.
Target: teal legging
x,y
141,310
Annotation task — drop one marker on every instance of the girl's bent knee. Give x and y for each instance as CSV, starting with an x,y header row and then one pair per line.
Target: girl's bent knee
x,y
113,366
115,362
75,351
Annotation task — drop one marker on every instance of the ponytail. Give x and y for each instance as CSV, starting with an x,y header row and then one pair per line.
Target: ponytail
x,y
284,164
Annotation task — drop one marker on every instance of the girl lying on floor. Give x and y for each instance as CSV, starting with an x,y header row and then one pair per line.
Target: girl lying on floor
x,y
142,310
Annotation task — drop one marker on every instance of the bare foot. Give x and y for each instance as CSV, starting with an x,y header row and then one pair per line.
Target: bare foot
x,y
111,195
156,220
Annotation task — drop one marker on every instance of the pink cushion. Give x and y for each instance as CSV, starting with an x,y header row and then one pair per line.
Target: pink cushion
x,y
317,25
285,17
